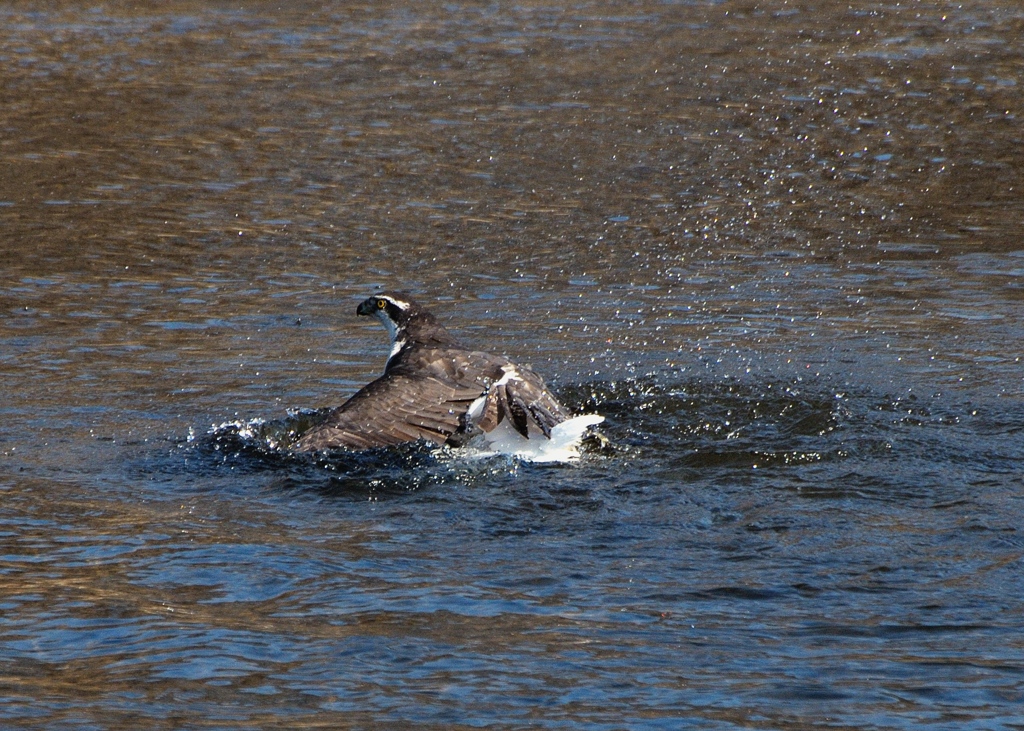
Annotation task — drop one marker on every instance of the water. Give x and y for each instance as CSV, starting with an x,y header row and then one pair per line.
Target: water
x,y
778,248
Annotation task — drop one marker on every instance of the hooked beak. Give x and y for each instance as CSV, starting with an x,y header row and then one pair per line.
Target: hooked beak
x,y
367,307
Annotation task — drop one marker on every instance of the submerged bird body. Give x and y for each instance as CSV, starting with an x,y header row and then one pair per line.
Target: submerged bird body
x,y
433,388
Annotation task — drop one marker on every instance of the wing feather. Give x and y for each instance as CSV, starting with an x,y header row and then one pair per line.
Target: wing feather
x,y
526,394
391,410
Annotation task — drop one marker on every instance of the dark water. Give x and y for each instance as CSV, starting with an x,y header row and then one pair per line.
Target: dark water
x,y
778,246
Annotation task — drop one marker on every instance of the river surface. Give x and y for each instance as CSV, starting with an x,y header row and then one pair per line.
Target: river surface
x,y
778,245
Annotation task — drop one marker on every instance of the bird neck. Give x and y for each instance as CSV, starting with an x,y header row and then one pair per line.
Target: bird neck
x,y
398,342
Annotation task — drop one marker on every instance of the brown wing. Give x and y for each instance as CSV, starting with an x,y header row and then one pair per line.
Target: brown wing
x,y
423,395
391,410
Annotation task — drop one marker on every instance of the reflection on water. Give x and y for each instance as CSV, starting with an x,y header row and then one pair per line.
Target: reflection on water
x,y
777,247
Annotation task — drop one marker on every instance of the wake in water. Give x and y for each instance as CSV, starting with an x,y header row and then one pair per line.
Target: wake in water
x,y
659,432
265,447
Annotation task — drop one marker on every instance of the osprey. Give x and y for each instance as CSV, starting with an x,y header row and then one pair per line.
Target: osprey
x,y
436,389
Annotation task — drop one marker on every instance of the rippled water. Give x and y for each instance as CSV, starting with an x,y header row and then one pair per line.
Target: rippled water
x,y
777,247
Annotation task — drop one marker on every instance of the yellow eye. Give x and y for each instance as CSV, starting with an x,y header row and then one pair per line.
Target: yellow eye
x,y
381,304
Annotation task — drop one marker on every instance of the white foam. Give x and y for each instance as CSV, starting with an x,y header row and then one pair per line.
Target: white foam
x,y
563,446
245,429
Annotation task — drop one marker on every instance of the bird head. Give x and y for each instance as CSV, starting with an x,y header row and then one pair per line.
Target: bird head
x,y
394,311
405,320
